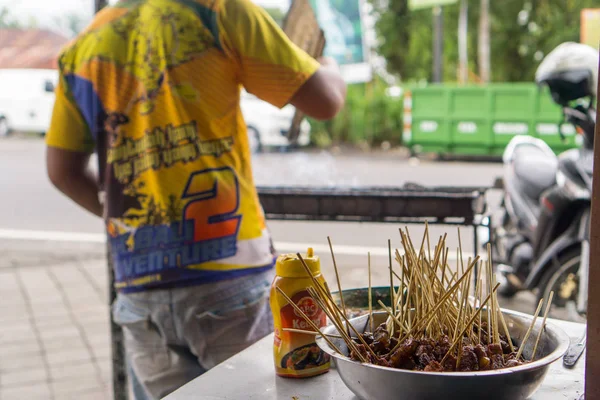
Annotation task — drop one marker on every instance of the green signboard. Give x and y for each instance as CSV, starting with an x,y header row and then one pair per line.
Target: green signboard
x,y
341,21
418,4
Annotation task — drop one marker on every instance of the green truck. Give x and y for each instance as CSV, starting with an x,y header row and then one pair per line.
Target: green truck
x,y
481,120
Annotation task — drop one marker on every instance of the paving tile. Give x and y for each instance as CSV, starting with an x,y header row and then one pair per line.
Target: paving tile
x,y
38,391
23,377
8,281
19,362
64,344
71,356
24,337
96,394
99,340
15,331
14,319
14,309
36,280
41,313
46,301
100,394
12,298
106,375
96,330
69,277
50,334
88,308
98,317
73,371
76,386
28,348
101,352
49,323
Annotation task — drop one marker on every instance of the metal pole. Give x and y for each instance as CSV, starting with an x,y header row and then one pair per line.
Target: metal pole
x,y
438,44
484,42
592,367
463,60
119,372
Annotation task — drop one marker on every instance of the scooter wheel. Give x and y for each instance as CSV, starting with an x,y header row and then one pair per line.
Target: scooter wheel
x,y
558,278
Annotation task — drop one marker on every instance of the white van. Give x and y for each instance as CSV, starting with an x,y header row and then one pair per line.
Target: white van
x,y
268,125
26,99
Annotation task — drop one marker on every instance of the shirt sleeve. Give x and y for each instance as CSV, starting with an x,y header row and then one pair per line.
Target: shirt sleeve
x,y
68,129
272,67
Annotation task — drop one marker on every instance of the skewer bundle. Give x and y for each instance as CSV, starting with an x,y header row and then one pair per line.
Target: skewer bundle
x,y
432,305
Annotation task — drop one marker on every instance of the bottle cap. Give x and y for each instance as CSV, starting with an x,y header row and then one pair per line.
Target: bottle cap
x,y
290,266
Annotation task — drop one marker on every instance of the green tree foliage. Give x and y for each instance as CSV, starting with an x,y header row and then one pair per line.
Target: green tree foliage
x,y
522,33
7,20
370,116
70,24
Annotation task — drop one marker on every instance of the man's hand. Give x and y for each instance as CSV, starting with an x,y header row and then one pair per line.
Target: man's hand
x,y
324,94
68,171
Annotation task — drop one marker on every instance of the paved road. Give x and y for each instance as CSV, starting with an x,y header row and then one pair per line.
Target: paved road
x,y
29,203
30,207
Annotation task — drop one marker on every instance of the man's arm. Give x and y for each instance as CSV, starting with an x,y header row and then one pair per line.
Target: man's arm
x,y
273,68
68,171
323,95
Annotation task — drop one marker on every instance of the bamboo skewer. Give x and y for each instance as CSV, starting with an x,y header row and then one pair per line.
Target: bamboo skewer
x,y
392,292
507,333
471,320
479,307
337,276
431,302
346,336
495,310
441,302
330,303
314,333
539,335
308,320
537,313
370,296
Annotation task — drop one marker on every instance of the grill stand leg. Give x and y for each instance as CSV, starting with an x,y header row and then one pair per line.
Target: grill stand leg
x,y
119,372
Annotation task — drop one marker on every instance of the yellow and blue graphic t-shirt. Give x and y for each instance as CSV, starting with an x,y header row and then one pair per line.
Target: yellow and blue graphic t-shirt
x,y
153,86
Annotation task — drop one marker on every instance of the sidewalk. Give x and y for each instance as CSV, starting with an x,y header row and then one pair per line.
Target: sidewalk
x,y
54,332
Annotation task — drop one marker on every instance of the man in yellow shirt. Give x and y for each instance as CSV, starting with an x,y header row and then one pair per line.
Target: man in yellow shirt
x,y
153,87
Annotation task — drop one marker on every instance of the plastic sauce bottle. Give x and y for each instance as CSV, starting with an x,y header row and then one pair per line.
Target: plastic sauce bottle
x,y
296,355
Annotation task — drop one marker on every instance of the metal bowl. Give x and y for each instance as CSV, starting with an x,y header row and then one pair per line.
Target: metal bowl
x,y
372,382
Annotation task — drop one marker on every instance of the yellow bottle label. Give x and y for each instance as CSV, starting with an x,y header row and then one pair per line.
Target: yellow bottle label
x,y
296,354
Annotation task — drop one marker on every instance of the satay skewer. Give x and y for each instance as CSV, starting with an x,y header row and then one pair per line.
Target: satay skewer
x,y
314,333
470,322
539,335
341,329
537,313
370,295
308,320
392,290
337,276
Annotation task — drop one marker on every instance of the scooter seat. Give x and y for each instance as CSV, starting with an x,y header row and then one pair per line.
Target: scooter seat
x,y
535,171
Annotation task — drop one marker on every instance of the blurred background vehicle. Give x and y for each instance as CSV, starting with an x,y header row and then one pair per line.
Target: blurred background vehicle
x,y
542,241
268,125
27,99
